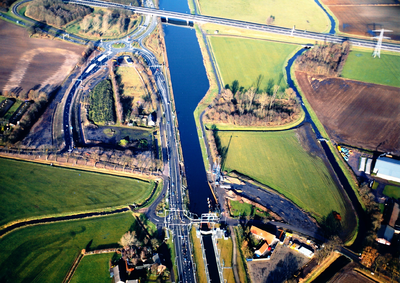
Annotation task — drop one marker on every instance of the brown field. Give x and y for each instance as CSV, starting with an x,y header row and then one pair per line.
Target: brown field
x,y
360,16
349,275
32,63
355,113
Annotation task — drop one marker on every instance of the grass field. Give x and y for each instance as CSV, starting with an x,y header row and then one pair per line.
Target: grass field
x,y
361,66
240,209
392,191
93,268
279,161
44,253
304,14
133,85
245,59
31,190
226,249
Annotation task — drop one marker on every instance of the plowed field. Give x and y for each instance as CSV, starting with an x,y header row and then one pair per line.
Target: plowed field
x,y
361,16
356,113
28,63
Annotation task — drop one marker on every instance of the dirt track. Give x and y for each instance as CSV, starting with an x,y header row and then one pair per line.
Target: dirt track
x,y
359,114
31,62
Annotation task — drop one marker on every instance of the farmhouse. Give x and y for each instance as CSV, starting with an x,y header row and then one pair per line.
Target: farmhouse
x,y
388,169
261,234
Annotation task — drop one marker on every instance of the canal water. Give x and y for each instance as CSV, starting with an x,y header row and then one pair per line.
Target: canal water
x,y
189,84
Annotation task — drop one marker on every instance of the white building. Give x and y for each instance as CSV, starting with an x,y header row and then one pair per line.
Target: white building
x,y
388,169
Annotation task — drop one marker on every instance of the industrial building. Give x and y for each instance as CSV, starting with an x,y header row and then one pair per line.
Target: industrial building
x,y
387,168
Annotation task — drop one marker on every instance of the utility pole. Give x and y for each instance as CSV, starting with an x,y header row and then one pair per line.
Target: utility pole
x,y
377,50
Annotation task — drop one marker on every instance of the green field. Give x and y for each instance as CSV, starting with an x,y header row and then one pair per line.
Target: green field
x,y
361,66
304,14
44,253
392,191
278,160
32,190
245,59
93,268
241,209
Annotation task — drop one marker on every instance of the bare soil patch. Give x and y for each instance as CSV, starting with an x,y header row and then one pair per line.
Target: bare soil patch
x,y
349,275
32,63
359,114
283,263
361,16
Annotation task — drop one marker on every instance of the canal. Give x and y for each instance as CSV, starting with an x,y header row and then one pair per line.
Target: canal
x,y
189,84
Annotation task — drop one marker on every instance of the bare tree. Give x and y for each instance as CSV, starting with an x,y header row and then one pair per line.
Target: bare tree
x,y
128,239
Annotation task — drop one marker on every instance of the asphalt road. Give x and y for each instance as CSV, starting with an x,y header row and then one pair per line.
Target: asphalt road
x,y
176,220
242,24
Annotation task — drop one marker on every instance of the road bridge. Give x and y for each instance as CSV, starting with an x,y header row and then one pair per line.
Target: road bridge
x,y
240,24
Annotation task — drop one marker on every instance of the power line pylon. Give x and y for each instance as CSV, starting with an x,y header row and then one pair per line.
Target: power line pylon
x,y
377,50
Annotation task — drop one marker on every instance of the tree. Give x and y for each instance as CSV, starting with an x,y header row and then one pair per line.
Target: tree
x,y
333,244
128,239
368,256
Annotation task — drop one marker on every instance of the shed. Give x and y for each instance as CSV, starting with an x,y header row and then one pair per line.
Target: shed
x,y
306,252
361,165
117,278
261,251
368,166
388,169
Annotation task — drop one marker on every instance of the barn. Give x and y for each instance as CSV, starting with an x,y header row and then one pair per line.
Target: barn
x,y
388,169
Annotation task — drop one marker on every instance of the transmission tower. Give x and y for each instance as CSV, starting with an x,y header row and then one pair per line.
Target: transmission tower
x,y
378,46
293,29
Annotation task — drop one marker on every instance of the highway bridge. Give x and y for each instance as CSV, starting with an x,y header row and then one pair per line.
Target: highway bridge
x,y
240,24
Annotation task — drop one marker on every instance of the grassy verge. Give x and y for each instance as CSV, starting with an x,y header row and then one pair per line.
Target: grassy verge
x,y
278,160
171,247
321,267
241,262
198,257
31,190
93,268
44,253
118,45
375,185
210,95
361,66
392,191
304,14
213,29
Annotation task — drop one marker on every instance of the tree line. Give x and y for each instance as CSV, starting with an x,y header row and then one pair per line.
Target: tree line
x,y
274,105
108,22
55,12
101,109
326,59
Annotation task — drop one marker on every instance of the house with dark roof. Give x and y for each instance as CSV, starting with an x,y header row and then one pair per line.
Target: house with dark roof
x,y
390,223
